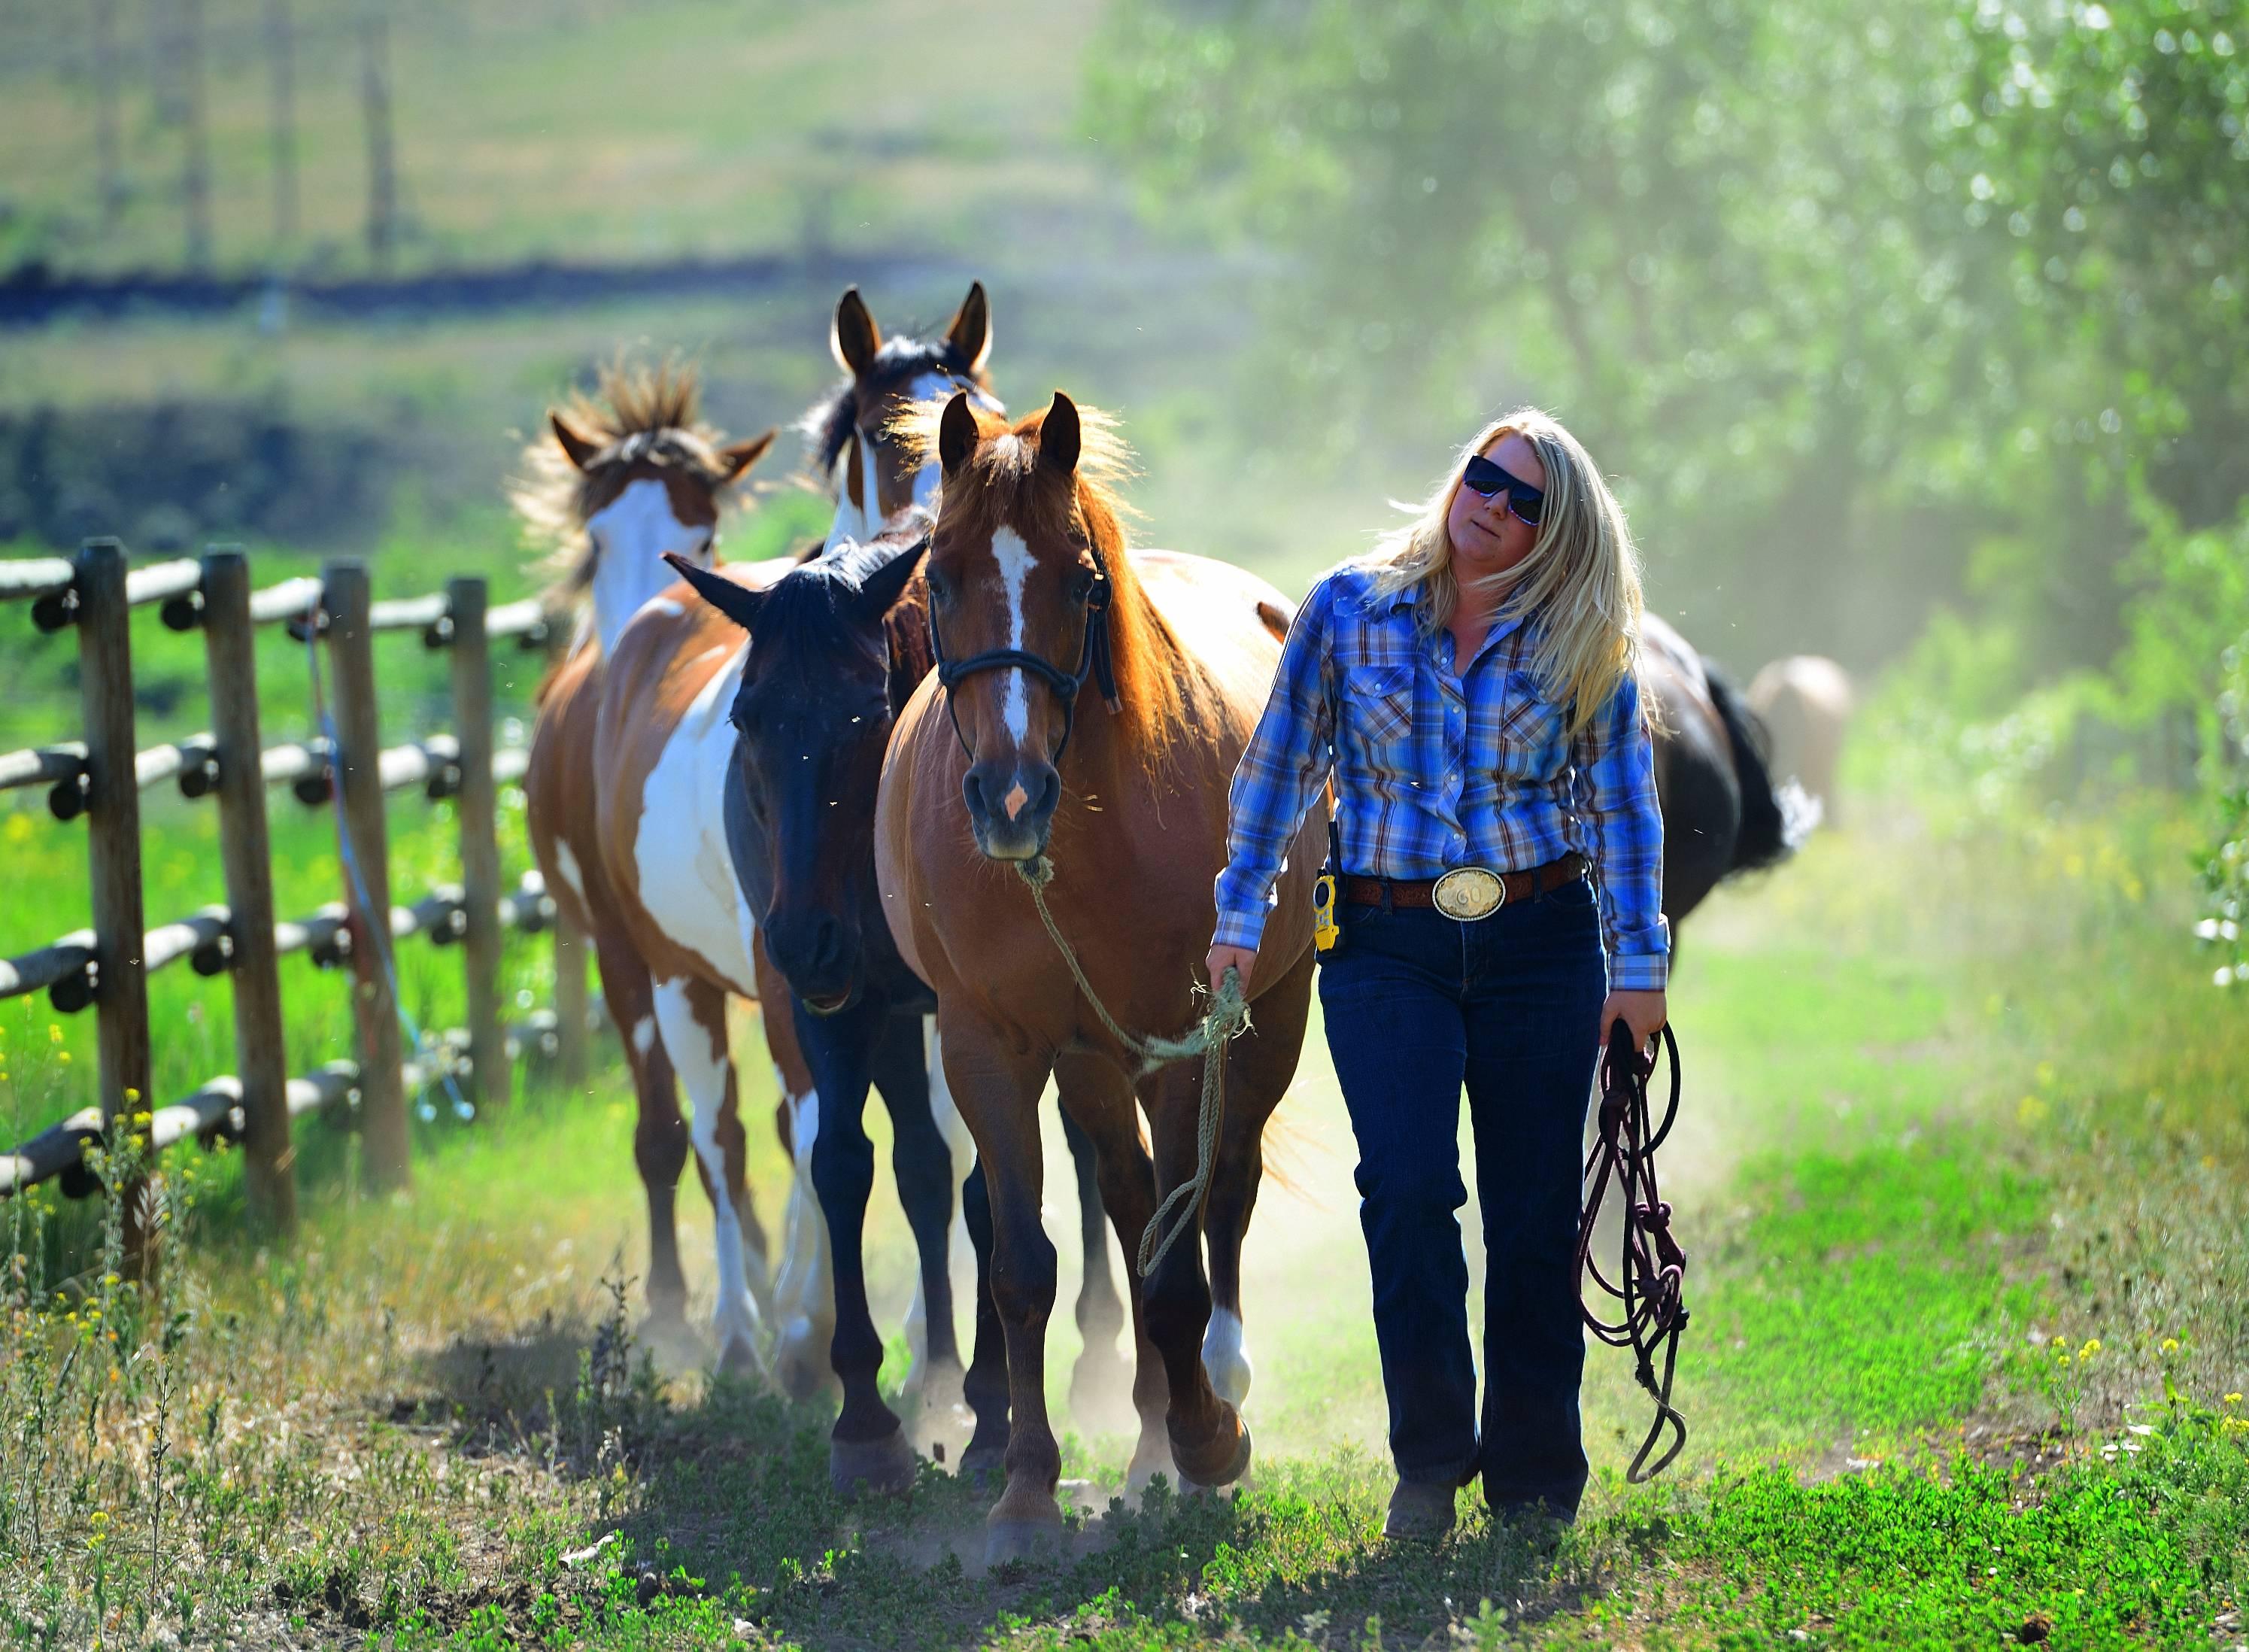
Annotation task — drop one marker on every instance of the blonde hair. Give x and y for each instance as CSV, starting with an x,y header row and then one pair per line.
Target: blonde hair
x,y
1581,579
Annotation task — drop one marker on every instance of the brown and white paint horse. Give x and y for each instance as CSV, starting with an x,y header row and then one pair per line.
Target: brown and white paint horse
x,y
628,478
1129,802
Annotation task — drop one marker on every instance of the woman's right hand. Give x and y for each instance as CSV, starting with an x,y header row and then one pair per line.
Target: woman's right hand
x,y
1222,958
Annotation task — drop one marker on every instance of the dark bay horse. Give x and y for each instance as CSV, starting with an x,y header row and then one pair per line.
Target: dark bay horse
x,y
1029,579
629,478
1722,814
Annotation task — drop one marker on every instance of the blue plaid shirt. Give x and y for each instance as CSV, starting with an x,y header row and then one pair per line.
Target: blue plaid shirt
x,y
1437,769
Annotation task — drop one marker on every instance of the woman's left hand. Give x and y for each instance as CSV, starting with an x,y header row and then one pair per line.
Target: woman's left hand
x,y
1643,1012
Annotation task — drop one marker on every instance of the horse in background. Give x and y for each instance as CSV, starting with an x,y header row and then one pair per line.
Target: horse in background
x,y
1721,813
1804,702
627,478
995,762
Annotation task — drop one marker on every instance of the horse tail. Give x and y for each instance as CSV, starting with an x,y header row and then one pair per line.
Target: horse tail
x,y
1770,830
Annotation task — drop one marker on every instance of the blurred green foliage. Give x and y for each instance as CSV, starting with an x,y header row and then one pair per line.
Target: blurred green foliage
x,y
1869,304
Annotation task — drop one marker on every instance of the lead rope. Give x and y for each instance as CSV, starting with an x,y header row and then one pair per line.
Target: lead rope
x,y
1229,1018
1652,1269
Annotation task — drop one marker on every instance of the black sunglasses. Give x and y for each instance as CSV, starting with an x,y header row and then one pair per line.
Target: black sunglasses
x,y
1482,477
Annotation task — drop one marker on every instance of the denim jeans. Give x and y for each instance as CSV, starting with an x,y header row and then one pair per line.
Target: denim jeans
x,y
1417,1005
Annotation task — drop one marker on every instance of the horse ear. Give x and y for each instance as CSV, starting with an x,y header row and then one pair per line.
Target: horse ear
x,y
970,335
957,435
738,602
880,589
1059,436
855,338
732,461
581,452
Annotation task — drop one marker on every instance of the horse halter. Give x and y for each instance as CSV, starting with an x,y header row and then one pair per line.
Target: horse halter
x,y
1093,660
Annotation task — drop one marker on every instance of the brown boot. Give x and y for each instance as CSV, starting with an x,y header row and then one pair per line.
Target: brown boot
x,y
1420,1511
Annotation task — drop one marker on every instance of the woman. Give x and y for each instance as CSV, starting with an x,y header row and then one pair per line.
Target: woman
x,y
1473,685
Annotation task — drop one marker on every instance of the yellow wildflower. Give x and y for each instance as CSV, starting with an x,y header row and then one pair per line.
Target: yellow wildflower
x,y
131,1094
63,1056
100,1519
54,1032
2233,1399
2170,1345
2091,1346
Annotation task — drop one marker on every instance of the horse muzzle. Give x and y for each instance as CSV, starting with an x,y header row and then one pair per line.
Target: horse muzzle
x,y
819,956
1011,806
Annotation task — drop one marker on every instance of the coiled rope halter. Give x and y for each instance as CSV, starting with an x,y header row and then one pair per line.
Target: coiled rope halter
x,y
1652,1269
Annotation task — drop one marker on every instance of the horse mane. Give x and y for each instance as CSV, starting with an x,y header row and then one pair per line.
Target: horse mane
x,y
638,415
1001,481
828,423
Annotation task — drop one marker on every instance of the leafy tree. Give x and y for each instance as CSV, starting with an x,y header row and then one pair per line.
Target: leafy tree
x,y
1841,290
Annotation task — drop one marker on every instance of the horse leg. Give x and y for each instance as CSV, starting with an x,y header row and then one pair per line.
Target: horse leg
x,y
1209,1443
735,1145
960,1154
986,1386
1098,1096
999,1091
690,1017
923,1165
1099,1394
804,1289
867,1443
660,1134
1259,1066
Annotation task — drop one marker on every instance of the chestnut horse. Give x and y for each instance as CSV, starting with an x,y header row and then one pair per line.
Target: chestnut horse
x,y
997,761
628,478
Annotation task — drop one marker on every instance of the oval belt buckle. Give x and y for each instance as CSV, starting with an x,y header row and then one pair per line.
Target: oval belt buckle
x,y
1467,893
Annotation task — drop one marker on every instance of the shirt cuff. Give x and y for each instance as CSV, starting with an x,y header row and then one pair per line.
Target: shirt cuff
x,y
1240,929
1639,972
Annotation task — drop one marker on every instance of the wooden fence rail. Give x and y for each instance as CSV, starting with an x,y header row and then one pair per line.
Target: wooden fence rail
x,y
100,776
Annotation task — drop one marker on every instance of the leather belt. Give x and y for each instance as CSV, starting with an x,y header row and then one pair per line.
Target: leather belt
x,y
1471,888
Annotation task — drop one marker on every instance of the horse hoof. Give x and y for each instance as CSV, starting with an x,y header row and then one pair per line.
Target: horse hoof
x,y
1009,1540
887,1465
1101,1394
800,1361
1191,1480
984,1465
1151,1457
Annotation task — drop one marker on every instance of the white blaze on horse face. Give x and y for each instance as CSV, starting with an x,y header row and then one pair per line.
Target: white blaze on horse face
x,y
699,1057
1225,1358
852,521
687,882
1015,559
631,536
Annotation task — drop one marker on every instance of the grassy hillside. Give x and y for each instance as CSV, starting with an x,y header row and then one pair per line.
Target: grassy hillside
x,y
580,128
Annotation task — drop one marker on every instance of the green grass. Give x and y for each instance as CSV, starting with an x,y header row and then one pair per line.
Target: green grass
x,y
1921,1157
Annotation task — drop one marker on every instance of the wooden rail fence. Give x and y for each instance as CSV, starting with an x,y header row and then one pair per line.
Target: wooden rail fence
x,y
100,777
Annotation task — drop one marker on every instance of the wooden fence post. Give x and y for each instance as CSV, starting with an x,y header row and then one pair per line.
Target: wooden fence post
x,y
478,806
386,1151
105,654
245,848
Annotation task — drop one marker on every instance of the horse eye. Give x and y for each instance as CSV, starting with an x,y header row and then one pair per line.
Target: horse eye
x,y
1081,584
